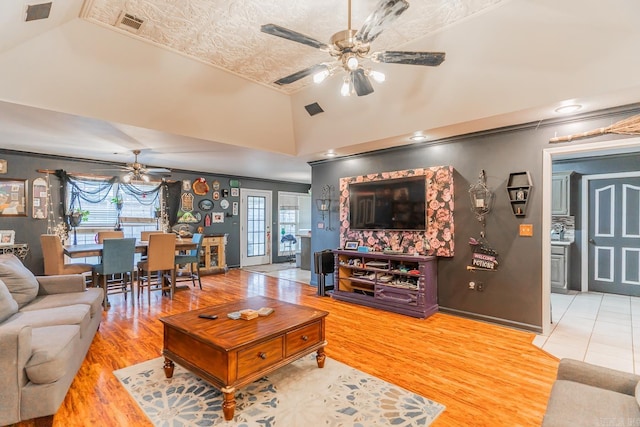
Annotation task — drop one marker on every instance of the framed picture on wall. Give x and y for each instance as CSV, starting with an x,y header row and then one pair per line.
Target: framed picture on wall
x,y
13,197
7,237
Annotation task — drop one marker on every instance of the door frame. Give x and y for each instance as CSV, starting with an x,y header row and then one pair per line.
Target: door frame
x,y
592,149
244,192
586,179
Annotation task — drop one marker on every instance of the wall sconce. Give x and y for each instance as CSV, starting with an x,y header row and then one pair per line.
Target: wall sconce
x,y
481,198
324,204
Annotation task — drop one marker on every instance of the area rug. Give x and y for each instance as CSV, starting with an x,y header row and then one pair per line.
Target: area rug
x,y
299,394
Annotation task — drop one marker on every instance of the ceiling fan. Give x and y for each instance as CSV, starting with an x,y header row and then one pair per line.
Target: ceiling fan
x,y
350,47
139,172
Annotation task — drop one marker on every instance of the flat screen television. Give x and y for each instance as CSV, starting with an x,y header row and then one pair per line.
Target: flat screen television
x,y
390,204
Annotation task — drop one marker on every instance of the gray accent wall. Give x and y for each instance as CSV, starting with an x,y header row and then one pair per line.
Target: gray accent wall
x,y
513,294
28,230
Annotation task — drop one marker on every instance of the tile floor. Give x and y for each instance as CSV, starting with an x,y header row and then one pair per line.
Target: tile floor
x,y
286,271
603,329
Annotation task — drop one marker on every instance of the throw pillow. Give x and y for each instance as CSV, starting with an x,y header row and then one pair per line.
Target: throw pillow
x,y
22,284
8,306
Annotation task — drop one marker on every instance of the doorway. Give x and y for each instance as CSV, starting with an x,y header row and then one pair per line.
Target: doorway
x,y
612,227
619,146
255,227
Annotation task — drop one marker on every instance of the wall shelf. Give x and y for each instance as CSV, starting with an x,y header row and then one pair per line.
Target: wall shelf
x,y
519,189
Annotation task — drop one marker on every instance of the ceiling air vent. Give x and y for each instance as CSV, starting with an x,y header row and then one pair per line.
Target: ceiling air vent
x,y
129,22
313,109
38,11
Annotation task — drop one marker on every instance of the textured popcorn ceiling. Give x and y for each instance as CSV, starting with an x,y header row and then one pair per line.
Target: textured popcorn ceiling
x,y
226,33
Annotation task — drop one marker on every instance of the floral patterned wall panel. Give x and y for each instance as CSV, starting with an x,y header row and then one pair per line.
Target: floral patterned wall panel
x,y
438,237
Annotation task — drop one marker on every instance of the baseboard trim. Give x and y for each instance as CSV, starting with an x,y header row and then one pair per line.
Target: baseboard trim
x,y
490,319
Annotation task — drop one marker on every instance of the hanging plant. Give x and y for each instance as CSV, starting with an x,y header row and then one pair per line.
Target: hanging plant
x,y
118,202
76,217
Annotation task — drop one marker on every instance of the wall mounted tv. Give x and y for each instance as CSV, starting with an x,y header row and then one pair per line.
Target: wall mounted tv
x,y
390,204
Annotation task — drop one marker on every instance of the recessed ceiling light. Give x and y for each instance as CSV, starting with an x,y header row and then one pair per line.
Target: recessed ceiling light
x,y
330,153
418,138
566,109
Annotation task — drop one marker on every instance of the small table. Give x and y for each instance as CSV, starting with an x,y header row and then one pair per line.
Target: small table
x,y
230,353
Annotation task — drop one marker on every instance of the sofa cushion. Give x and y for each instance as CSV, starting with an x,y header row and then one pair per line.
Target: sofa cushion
x,y
637,394
576,404
8,305
21,282
52,352
77,314
91,297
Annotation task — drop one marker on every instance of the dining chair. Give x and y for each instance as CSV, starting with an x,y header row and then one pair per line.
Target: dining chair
x,y
117,259
161,254
112,234
144,235
192,257
53,254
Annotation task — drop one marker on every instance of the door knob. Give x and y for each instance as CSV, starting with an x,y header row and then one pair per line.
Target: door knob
x,y
592,241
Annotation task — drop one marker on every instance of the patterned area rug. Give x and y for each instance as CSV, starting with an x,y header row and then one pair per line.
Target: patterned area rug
x,y
299,394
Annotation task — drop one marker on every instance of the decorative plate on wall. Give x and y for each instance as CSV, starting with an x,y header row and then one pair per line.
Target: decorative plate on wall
x,y
205,204
200,187
224,204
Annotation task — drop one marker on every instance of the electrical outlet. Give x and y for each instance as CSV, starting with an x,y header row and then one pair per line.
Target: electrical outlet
x,y
472,285
479,286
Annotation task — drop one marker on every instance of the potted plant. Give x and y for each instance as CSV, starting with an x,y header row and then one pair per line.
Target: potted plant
x,y
76,217
117,200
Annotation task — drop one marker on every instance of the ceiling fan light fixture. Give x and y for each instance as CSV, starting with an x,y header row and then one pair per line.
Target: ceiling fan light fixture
x,y
127,178
145,178
345,90
377,76
320,76
352,63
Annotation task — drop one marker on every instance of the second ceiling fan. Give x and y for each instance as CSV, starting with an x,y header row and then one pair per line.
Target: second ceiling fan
x,y
350,47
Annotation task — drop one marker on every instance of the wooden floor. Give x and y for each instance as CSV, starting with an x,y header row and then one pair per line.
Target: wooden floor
x,y
485,375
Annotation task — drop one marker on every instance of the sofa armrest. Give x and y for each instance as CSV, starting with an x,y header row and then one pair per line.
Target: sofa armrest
x,y
598,376
15,348
61,284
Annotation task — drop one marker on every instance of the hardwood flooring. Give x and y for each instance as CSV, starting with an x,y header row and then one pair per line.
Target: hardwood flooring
x,y
486,375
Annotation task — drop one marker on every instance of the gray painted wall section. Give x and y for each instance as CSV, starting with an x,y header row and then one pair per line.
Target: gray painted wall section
x,y
28,230
513,293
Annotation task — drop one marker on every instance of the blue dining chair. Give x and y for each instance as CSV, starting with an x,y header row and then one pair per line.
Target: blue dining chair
x,y
192,257
117,259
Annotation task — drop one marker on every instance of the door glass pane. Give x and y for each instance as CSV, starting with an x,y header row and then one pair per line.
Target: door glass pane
x,y
256,228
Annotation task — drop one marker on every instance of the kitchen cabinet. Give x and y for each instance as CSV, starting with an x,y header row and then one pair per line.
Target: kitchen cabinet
x,y
561,193
559,268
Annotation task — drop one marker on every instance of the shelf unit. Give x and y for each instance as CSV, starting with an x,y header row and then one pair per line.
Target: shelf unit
x,y
404,284
213,254
519,189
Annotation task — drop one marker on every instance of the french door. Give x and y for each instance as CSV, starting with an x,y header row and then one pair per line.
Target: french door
x,y
614,233
255,228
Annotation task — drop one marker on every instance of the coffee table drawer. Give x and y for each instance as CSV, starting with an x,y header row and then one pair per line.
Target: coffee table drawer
x,y
260,356
299,339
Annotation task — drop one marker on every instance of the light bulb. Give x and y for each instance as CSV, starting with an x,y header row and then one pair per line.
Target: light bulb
x,y
145,178
320,76
345,90
377,76
352,63
126,178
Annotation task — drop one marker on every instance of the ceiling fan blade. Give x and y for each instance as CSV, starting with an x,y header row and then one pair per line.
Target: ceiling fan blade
x,y
285,33
432,59
156,171
361,83
386,12
301,74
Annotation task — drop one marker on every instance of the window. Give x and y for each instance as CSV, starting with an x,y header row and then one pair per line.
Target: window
x,y
98,197
294,218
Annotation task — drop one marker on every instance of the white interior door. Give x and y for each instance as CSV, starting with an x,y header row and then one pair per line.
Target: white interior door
x,y
255,228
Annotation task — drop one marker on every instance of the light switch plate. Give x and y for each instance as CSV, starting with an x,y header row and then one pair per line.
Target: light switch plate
x,y
526,230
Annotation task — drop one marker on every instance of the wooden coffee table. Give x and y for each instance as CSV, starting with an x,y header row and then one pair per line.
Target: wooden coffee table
x,y
230,353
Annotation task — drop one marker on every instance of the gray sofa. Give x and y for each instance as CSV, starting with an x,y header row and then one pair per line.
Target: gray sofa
x,y
589,395
46,327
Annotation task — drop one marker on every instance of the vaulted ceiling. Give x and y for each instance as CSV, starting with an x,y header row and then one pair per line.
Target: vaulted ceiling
x,y
192,87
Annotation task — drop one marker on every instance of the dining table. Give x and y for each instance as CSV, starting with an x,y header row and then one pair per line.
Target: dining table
x,y
95,249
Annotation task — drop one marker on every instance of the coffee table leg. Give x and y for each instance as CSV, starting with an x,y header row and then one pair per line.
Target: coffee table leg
x,y
168,368
320,356
229,404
